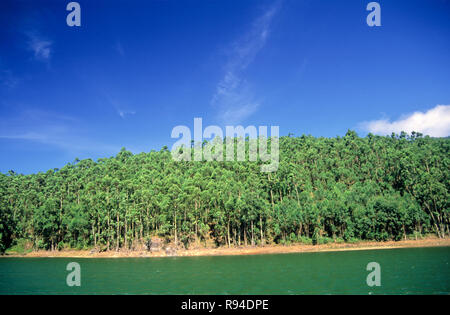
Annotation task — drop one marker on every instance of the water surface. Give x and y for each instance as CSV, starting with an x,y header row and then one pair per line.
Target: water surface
x,y
403,271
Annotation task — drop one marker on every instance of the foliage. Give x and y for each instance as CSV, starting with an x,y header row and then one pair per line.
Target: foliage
x,y
325,190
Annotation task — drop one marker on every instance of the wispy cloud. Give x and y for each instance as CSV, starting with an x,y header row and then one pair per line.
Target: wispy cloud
x,y
119,48
233,97
40,46
124,113
26,136
52,129
8,79
434,122
121,109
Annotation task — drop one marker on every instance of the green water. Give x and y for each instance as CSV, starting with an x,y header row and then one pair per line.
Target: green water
x,y
403,271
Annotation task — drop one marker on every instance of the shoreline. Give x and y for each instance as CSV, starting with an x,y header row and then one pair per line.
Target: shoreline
x,y
249,250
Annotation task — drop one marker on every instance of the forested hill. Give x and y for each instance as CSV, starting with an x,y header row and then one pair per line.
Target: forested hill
x,y
325,189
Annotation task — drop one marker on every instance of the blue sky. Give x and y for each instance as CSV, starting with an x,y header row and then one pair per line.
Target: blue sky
x,y
136,69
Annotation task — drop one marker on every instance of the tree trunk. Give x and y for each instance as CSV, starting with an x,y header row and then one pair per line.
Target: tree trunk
x,y
245,235
261,230
175,224
118,233
253,236
228,233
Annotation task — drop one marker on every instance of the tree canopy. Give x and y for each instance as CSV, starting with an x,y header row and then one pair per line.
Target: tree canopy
x,y
343,188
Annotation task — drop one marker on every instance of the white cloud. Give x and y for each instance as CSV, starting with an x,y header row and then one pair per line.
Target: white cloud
x,y
123,113
26,136
119,106
434,122
41,48
233,96
119,48
8,80
52,129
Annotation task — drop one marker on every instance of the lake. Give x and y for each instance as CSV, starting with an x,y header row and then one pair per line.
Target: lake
x,y
403,271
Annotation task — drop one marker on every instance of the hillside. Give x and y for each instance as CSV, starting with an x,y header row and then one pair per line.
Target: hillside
x,y
326,189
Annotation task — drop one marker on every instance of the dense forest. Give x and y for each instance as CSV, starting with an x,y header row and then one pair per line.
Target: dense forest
x,y
325,190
